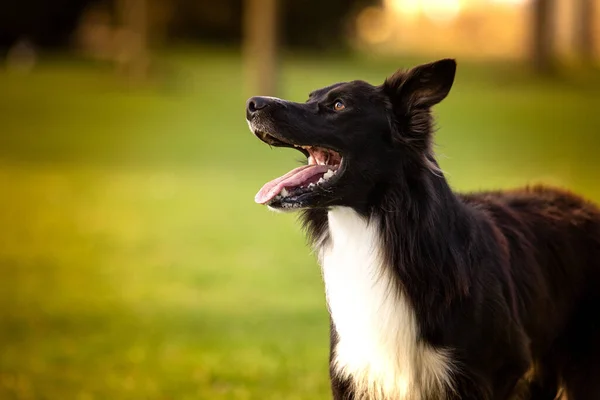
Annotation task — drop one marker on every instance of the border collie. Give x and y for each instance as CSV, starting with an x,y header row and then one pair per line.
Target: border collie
x,y
433,294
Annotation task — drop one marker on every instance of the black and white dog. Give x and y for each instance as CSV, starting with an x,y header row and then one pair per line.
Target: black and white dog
x,y
434,294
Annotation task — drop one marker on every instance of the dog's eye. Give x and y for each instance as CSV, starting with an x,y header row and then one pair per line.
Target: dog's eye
x,y
338,105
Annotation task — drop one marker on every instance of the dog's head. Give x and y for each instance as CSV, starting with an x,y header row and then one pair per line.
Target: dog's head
x,y
355,136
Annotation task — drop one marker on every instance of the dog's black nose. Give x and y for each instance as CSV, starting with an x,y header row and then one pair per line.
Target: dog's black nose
x,y
255,104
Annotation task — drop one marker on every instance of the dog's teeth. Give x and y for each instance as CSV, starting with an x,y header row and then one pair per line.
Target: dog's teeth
x,y
311,185
321,180
284,192
328,174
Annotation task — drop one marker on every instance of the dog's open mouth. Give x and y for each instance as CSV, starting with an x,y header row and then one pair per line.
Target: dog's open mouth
x,y
323,165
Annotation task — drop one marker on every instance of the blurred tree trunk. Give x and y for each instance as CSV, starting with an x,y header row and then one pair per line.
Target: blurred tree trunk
x,y
159,17
542,51
584,30
133,47
260,46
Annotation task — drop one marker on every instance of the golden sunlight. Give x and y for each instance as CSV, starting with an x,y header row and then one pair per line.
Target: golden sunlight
x,y
440,10
373,25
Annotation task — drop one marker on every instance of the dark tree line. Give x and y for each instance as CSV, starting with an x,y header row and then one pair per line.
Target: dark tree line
x,y
313,24
49,23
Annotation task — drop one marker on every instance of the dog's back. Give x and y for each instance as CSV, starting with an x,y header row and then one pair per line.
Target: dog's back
x,y
552,241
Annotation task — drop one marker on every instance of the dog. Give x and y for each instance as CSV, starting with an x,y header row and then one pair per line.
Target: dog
x,y
433,294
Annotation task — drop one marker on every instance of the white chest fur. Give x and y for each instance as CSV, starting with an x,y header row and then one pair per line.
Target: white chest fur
x,y
378,348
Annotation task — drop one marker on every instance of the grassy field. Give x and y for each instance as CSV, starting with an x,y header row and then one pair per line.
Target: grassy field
x,y
133,261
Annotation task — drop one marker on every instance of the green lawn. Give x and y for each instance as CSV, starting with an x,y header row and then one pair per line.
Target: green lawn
x,y
134,263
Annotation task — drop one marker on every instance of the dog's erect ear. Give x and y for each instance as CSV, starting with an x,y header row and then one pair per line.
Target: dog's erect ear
x,y
422,86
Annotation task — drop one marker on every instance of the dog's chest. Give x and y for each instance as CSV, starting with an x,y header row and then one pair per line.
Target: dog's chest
x,y
378,347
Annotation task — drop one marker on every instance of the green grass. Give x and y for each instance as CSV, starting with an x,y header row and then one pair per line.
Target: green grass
x,y
134,264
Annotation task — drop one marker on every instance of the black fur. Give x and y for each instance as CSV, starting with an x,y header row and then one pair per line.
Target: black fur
x,y
509,280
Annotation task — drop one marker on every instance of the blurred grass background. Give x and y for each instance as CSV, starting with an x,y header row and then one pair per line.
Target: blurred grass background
x,y
133,261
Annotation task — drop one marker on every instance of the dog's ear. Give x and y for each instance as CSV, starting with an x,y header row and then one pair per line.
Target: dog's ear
x,y
423,86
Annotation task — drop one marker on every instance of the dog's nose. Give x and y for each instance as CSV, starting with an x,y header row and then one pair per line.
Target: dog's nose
x,y
255,104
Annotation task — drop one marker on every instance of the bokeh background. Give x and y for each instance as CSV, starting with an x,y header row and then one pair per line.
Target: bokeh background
x,y
134,263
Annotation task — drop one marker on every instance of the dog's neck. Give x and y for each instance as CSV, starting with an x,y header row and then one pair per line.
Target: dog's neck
x,y
382,267
419,221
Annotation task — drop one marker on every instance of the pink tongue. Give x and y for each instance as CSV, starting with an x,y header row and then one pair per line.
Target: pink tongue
x,y
293,178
